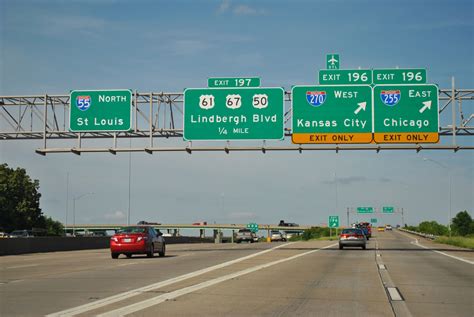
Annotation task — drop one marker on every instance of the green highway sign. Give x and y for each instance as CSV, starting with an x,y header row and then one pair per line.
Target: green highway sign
x,y
253,227
399,76
345,77
333,222
388,210
233,114
365,210
220,82
332,114
406,114
100,110
332,61
373,220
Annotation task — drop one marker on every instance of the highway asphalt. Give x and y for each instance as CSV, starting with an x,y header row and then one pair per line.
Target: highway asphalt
x,y
397,275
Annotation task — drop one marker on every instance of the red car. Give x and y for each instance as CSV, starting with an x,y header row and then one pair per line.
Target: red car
x,y
137,240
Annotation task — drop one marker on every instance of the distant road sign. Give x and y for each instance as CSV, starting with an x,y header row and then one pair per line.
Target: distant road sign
x,y
100,110
332,61
253,227
399,76
332,114
406,114
387,210
373,220
345,77
233,113
333,222
226,82
365,210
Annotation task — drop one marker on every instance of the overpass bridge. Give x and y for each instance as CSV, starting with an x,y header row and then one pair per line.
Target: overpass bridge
x,y
175,228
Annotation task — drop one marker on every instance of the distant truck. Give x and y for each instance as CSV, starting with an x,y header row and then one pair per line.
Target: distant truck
x,y
143,222
282,223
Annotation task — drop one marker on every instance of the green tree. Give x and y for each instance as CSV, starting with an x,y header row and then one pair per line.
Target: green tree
x,y
19,200
315,232
432,227
53,227
462,224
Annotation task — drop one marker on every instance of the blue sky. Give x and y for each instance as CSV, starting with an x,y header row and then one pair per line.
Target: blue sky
x,y
57,46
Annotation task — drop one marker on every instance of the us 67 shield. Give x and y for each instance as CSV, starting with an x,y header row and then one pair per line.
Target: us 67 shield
x,y
233,114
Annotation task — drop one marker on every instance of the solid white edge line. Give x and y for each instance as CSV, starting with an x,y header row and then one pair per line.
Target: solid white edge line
x,y
448,255
119,297
20,266
164,297
415,242
394,294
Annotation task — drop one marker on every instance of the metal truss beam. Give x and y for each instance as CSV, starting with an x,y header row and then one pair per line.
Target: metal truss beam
x,y
160,115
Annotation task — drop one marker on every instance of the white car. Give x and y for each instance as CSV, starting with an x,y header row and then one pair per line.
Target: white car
x,y
276,236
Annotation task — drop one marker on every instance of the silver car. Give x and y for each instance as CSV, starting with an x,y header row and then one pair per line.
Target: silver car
x,y
276,236
245,235
352,237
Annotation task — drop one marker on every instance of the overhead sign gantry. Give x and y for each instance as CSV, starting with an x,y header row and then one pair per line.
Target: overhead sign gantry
x,y
403,106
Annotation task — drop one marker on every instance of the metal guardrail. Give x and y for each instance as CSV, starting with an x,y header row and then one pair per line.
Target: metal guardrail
x,y
420,234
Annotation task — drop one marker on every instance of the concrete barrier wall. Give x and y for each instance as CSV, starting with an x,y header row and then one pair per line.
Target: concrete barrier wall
x,y
13,246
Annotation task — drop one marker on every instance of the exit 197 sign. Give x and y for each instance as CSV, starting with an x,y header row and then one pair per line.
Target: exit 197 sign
x,y
226,82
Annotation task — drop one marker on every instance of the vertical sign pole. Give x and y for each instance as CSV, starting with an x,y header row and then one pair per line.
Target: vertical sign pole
x,y
67,202
403,219
45,122
73,216
136,110
151,120
129,180
450,200
453,104
115,140
347,217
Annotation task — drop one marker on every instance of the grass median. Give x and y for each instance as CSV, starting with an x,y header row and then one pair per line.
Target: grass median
x,y
463,242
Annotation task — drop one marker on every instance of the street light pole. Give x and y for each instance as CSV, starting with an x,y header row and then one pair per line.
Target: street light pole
x,y
67,203
450,188
74,211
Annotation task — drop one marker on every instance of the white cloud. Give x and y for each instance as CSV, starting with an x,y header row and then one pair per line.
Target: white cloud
x,y
247,10
190,46
243,215
224,7
117,215
241,9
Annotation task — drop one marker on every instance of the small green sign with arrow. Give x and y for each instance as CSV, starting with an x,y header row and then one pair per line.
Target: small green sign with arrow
x,y
333,221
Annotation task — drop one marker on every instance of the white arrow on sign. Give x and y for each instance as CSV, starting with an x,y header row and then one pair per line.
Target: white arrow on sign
x,y
362,106
426,105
